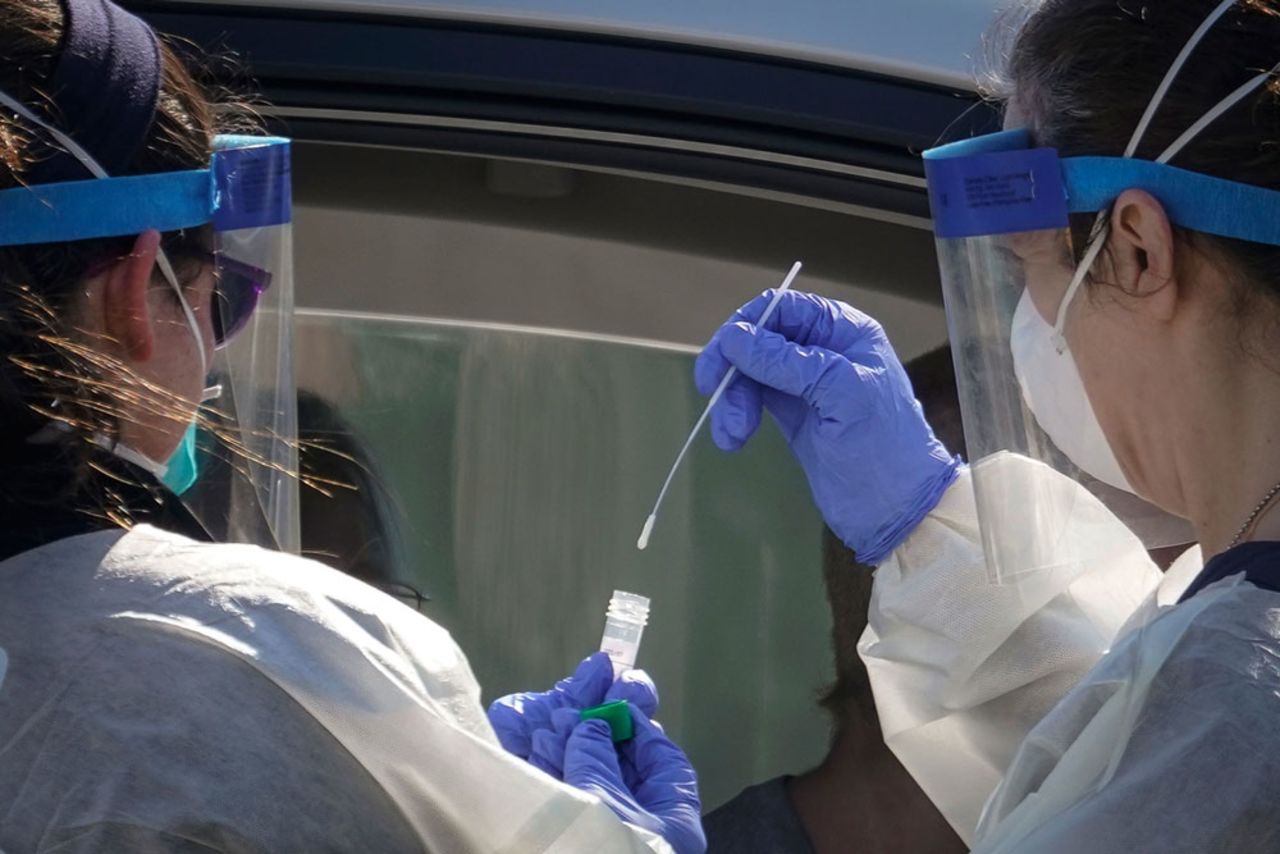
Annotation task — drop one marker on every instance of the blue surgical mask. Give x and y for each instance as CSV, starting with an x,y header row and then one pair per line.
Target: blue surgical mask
x,y
182,469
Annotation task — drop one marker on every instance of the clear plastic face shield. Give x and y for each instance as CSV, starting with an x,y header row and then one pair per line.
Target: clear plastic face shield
x,y
1012,267
236,467
246,488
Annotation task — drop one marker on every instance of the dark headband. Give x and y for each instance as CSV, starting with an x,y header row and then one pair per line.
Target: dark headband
x,y
105,87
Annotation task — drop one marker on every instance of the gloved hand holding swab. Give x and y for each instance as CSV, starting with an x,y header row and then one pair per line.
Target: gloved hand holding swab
x,y
715,398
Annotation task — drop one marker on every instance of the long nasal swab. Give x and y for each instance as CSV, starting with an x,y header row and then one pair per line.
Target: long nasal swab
x,y
643,542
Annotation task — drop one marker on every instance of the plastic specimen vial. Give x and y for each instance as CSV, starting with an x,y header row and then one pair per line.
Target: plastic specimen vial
x,y
623,627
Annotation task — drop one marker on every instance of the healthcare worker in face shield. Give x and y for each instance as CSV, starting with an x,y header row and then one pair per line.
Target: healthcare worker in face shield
x,y
159,691
1111,269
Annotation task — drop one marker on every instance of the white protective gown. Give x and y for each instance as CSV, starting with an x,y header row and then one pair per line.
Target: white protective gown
x,y
158,694
1095,713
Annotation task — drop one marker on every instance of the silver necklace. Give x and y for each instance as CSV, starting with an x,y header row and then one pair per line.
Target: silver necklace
x,y
1253,517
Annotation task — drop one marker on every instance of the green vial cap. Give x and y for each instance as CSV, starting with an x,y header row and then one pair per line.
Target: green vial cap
x,y
616,714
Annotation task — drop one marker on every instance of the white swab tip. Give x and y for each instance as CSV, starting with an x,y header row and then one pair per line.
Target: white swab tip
x,y
643,542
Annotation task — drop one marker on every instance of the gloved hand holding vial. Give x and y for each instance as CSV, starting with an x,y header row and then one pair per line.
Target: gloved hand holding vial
x,y
605,677
573,732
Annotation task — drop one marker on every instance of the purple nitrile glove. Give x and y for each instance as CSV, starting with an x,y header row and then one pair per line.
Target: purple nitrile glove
x,y
830,378
647,780
516,717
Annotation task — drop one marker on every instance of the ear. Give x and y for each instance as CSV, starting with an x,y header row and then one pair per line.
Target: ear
x,y
1143,253
126,317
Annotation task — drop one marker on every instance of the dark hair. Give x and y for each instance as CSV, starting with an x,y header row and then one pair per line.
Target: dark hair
x,y
41,364
345,484
1084,71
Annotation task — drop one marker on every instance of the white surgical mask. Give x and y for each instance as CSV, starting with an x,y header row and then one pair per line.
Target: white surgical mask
x,y
1055,394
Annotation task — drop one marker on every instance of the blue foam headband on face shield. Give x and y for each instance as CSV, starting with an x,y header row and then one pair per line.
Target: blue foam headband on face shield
x,y
999,184
247,186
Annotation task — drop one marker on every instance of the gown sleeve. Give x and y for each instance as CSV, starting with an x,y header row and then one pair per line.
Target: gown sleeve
x,y
962,668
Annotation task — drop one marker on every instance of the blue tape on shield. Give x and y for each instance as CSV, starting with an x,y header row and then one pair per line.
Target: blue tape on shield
x,y
247,187
253,185
997,193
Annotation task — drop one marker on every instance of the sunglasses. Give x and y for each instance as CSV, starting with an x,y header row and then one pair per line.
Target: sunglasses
x,y
238,287
235,297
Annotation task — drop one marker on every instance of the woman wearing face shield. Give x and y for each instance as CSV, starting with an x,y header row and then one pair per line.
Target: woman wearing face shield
x,y
1111,268
163,692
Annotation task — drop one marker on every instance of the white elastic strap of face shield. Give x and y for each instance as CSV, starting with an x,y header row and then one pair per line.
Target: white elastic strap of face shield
x,y
86,160
1172,74
1101,230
